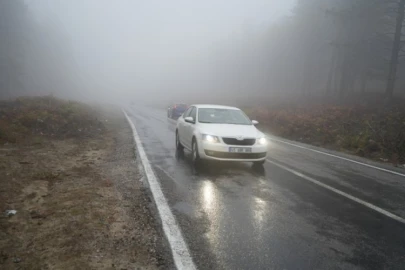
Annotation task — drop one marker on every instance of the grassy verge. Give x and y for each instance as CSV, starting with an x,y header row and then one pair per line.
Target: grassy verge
x,y
68,170
29,118
369,131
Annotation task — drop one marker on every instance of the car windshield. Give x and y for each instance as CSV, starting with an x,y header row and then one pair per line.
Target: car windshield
x,y
181,107
222,116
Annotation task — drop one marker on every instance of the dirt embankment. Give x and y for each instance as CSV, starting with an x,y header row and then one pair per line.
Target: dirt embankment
x,y
79,201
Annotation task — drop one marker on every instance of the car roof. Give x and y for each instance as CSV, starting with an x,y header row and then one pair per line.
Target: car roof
x,y
210,106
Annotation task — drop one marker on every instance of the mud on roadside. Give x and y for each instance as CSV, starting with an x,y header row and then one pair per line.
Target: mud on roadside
x,y
80,204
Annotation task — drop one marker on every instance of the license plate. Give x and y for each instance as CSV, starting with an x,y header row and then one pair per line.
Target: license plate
x,y
240,150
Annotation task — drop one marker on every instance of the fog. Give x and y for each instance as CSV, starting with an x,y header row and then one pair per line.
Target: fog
x,y
201,51
150,49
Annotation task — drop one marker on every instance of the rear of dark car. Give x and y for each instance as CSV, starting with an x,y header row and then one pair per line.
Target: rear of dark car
x,y
177,110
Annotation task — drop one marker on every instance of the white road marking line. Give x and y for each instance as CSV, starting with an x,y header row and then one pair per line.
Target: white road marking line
x,y
347,159
344,194
180,252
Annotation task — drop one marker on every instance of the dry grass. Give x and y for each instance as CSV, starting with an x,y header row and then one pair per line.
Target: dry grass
x,y
29,119
370,131
75,210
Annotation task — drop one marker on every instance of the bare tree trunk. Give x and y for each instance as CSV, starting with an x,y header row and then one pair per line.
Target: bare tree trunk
x,y
395,51
336,80
363,83
344,79
330,75
307,73
351,85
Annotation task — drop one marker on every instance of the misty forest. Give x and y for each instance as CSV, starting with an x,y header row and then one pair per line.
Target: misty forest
x,y
206,134
329,72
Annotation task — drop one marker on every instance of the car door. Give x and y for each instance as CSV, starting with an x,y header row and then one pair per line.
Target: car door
x,y
189,127
181,126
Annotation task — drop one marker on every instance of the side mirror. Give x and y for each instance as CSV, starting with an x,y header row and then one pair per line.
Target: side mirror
x,y
189,119
254,122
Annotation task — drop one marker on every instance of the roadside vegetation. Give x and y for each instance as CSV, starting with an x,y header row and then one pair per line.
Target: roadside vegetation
x,y
69,191
31,118
367,130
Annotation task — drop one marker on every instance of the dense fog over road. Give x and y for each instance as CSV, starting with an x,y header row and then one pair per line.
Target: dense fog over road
x,y
202,51
153,47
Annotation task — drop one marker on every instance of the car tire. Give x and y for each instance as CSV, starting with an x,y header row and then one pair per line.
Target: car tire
x,y
179,146
259,163
194,153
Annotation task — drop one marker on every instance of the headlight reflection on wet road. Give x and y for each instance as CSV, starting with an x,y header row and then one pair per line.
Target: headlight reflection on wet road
x,y
209,197
259,212
210,205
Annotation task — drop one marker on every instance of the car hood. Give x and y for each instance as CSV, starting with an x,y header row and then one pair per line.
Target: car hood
x,y
228,130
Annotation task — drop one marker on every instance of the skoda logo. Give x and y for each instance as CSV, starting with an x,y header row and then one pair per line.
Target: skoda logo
x,y
239,138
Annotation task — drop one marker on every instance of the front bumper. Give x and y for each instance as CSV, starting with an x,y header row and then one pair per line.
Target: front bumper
x,y
220,151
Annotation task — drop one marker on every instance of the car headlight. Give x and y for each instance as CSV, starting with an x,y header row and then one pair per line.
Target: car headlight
x,y
262,141
210,138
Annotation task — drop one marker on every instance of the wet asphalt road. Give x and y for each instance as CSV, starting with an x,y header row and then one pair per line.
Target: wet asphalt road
x,y
235,216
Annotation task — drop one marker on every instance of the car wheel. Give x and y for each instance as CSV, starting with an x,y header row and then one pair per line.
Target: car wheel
x,y
194,153
179,146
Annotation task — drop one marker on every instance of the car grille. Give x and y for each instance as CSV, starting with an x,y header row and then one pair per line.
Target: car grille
x,y
234,141
234,155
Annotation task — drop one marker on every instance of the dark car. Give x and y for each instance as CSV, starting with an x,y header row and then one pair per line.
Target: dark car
x,y
176,110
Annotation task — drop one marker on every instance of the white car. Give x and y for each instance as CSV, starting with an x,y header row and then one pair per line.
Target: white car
x,y
220,133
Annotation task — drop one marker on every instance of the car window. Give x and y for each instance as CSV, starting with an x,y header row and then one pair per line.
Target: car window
x,y
223,116
187,113
182,106
180,110
193,113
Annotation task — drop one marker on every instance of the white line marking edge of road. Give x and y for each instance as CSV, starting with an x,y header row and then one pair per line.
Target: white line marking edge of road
x,y
336,156
180,252
344,194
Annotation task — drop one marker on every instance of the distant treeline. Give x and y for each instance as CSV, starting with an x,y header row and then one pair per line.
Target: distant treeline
x,y
35,57
333,48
